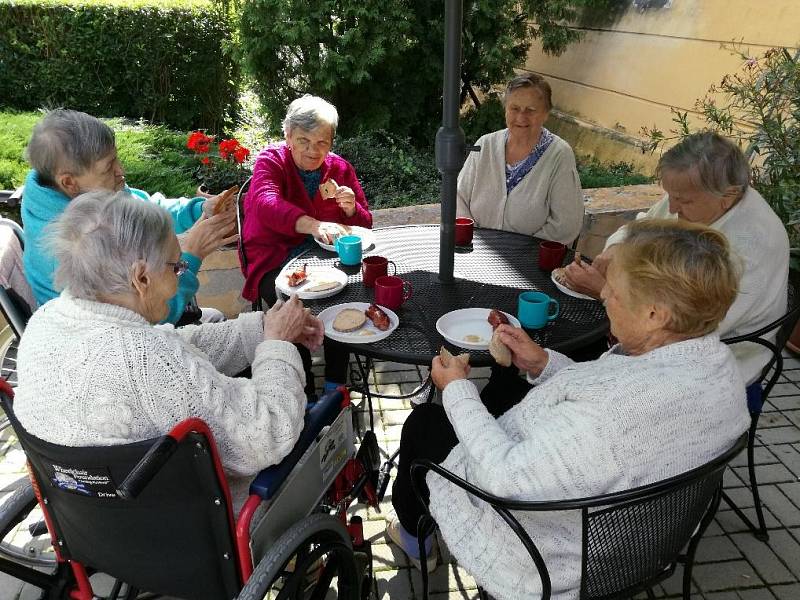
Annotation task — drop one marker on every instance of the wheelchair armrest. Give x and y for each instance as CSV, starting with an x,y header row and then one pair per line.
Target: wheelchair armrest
x,y
318,415
147,467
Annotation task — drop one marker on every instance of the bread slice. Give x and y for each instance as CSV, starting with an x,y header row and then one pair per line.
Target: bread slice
x,y
328,189
499,351
447,356
349,319
322,286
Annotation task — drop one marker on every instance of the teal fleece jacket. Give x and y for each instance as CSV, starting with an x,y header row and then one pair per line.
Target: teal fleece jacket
x,y
42,205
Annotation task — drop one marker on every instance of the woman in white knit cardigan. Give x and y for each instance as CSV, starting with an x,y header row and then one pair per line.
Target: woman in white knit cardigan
x,y
666,399
93,370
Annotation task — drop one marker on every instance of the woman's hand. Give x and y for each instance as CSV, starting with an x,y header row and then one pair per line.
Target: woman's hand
x,y
585,278
211,202
442,375
326,231
286,321
526,354
208,234
346,199
313,332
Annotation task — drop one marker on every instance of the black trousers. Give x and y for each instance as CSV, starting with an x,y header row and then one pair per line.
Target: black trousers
x,y
427,433
337,357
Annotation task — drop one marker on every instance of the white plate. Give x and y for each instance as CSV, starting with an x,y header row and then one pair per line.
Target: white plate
x,y
367,239
355,337
316,275
570,292
457,324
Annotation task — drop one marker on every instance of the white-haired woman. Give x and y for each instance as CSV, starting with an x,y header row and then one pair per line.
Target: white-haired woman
x,y
93,369
284,206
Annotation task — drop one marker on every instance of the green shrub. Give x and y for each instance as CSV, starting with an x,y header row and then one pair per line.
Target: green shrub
x,y
113,58
488,117
154,158
391,170
595,174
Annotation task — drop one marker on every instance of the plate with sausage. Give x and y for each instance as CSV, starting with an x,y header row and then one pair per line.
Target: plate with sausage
x,y
310,283
470,327
366,235
358,322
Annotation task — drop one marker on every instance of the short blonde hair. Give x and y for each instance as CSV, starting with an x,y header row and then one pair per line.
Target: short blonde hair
x,y
684,266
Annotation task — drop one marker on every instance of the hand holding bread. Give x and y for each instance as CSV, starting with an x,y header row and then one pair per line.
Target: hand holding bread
x,y
447,368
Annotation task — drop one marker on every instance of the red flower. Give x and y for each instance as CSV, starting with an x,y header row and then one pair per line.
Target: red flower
x,y
205,160
240,154
199,142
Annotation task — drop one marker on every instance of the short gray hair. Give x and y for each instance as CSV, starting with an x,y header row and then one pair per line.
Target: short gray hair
x,y
67,139
309,112
101,236
532,81
714,163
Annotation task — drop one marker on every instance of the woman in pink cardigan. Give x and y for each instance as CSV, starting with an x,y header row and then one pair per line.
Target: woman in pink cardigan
x,y
284,209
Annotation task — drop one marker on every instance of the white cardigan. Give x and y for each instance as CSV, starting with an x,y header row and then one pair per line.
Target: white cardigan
x,y
547,203
92,373
759,241
585,429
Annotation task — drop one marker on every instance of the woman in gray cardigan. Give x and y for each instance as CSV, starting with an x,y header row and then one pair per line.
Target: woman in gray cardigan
x,y
666,399
524,177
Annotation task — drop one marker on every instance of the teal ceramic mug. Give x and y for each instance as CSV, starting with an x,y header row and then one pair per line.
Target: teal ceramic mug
x,y
349,249
536,309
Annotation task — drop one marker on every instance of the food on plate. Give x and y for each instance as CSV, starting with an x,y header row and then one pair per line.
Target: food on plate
x,y
560,274
349,319
472,339
328,189
297,276
335,230
446,356
499,351
226,199
365,332
379,318
322,286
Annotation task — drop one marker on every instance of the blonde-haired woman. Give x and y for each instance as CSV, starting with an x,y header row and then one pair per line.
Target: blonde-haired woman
x,y
667,398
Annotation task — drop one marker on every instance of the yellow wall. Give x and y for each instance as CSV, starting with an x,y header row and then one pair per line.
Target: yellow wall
x,y
626,75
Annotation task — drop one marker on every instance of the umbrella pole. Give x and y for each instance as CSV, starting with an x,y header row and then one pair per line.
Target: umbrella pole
x,y
450,146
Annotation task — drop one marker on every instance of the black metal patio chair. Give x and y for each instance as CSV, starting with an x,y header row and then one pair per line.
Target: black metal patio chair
x,y
631,540
782,329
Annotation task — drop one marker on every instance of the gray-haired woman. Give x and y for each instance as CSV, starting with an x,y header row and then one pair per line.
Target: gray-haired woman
x,y
707,181
93,369
285,206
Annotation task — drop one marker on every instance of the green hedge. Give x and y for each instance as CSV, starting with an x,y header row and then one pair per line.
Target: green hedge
x,y
164,62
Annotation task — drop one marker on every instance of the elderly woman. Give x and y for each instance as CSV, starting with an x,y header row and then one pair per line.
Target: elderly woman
x,y
524,177
707,180
664,400
93,370
284,207
70,153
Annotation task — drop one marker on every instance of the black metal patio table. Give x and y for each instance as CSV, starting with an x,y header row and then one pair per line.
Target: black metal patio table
x,y
499,266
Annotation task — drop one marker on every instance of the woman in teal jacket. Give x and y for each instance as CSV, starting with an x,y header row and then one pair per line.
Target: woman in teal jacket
x,y
72,152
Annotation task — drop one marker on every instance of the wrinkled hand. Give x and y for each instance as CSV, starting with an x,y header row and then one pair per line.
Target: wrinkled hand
x,y
313,332
346,199
209,233
442,375
286,321
326,231
526,354
585,278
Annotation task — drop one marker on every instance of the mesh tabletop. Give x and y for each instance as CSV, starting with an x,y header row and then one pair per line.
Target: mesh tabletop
x,y
499,266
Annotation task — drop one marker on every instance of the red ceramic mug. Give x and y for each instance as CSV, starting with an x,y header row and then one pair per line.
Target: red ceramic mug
x,y
391,291
551,255
373,267
464,229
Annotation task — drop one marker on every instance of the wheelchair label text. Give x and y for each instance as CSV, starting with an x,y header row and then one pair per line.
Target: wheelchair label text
x,y
87,482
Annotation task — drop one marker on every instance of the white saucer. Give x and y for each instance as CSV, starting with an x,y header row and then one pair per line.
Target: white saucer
x,y
564,289
367,239
316,275
457,324
356,337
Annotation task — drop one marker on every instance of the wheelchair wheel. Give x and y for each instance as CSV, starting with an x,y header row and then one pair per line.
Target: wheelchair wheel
x,y
313,557
30,546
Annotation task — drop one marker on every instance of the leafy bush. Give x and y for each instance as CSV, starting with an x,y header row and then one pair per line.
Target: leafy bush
x,y
115,58
594,174
155,158
391,170
488,117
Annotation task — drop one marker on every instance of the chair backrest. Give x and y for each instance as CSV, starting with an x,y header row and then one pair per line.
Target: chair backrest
x,y
174,538
240,219
631,539
16,296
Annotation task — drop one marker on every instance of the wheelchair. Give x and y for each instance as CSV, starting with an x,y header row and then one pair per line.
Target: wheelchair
x,y
157,515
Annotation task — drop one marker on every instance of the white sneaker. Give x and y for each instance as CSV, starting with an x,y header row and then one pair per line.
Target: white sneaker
x,y
393,533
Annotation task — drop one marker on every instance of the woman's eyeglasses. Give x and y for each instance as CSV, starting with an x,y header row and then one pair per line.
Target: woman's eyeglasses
x,y
179,267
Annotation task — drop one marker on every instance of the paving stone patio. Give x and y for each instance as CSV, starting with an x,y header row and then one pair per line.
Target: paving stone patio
x,y
731,563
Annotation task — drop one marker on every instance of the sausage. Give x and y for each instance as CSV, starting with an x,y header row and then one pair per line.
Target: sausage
x,y
497,318
298,276
378,317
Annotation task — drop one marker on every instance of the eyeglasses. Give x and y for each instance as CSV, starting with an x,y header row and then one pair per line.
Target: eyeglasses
x,y
179,267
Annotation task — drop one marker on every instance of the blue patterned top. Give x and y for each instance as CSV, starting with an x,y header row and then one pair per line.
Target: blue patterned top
x,y
515,172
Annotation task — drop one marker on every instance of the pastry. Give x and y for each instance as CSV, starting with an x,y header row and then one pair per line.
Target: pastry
x,y
446,356
328,189
226,199
349,319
